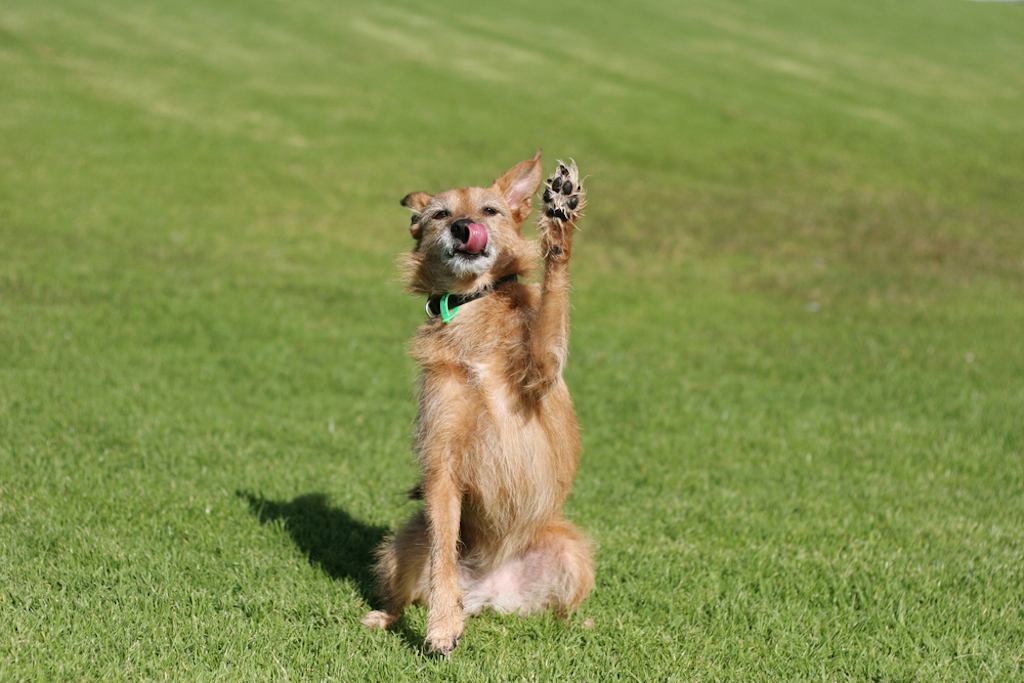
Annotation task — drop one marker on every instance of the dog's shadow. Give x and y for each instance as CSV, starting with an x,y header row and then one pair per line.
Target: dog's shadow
x,y
340,545
332,539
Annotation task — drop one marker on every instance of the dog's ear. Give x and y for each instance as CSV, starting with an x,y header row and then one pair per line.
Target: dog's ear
x,y
519,184
417,201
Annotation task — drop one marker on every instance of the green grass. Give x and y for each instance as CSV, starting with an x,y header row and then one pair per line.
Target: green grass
x,y
797,353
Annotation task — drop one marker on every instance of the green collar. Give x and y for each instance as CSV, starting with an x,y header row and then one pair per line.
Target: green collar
x,y
447,305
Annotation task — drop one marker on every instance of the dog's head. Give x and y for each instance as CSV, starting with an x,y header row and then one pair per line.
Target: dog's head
x,y
467,239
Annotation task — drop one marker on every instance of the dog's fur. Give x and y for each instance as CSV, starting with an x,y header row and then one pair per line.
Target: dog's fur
x,y
497,438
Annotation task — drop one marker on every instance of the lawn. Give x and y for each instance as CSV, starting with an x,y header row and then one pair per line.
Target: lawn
x,y
797,349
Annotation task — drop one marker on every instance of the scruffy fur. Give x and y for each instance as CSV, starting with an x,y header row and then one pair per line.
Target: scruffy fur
x,y
497,438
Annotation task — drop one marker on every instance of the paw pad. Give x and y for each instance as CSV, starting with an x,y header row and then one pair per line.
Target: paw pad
x,y
564,196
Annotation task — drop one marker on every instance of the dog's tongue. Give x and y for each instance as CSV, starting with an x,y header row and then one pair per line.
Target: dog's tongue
x,y
477,239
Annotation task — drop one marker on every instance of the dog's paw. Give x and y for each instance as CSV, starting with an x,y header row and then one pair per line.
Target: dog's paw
x,y
378,619
564,199
564,196
443,647
443,638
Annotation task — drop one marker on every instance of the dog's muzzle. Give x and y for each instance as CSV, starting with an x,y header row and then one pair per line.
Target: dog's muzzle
x,y
470,237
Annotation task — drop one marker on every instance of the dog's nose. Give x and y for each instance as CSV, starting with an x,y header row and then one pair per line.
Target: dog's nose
x,y
460,229
470,237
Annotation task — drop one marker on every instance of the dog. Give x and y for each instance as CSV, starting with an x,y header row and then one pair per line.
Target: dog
x,y
496,438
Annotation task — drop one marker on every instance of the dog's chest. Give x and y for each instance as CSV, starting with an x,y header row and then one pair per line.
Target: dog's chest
x,y
512,453
496,392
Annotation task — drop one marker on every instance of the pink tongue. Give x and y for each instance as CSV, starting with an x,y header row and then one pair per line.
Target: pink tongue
x,y
477,239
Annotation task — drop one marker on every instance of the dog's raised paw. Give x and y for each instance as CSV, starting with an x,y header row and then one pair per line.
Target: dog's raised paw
x,y
564,196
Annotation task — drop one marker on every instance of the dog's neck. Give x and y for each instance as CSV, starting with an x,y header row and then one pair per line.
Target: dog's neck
x,y
447,305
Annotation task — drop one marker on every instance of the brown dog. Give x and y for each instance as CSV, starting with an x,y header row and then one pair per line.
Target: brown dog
x,y
497,438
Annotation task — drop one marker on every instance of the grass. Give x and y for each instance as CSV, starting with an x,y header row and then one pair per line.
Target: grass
x,y
796,353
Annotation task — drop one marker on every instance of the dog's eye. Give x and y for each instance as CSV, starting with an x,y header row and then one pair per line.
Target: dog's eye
x,y
441,215
490,211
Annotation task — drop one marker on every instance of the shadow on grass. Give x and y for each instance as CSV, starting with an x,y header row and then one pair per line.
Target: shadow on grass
x,y
332,539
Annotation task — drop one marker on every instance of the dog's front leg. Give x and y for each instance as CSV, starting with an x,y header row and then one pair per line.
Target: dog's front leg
x,y
445,618
445,421
564,198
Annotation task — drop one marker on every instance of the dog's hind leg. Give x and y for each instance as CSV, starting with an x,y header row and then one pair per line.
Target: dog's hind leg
x,y
402,572
571,576
556,572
